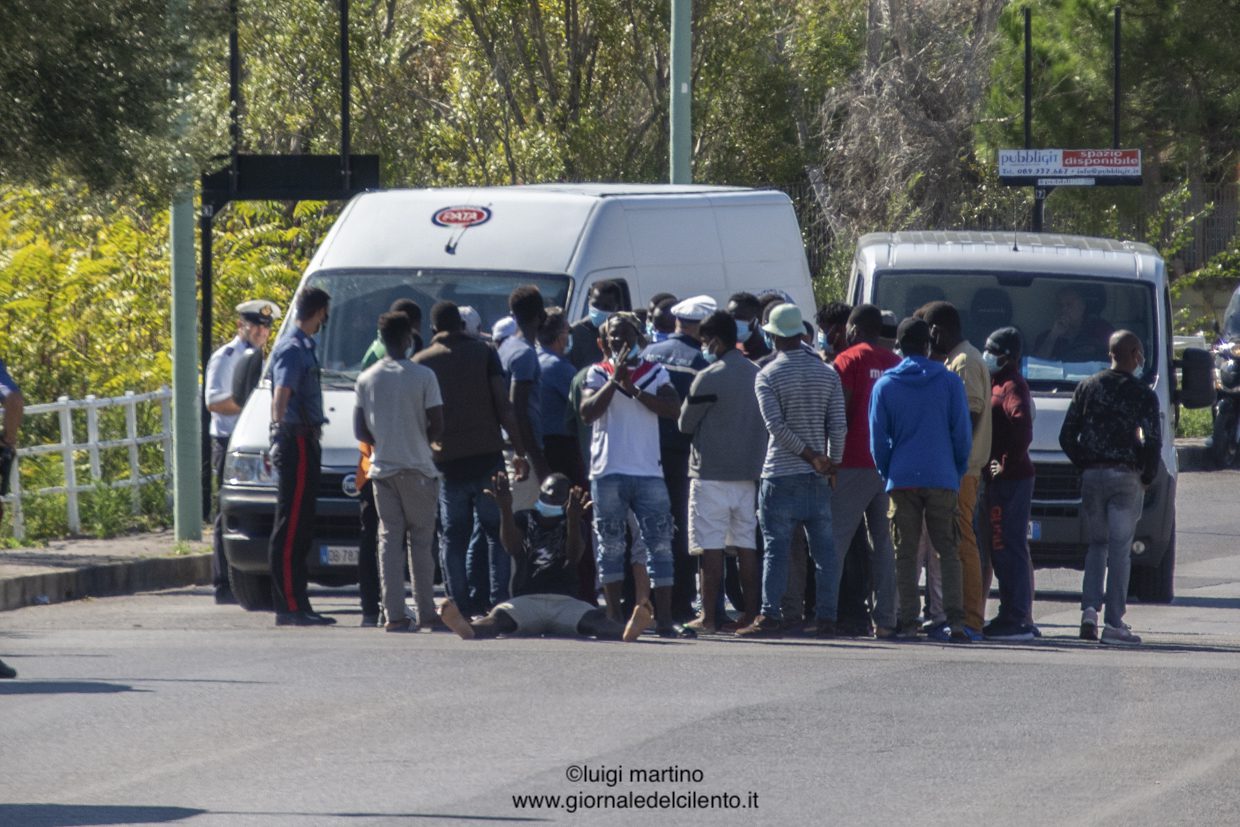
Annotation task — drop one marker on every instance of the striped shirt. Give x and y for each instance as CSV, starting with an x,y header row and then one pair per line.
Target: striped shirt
x,y
802,403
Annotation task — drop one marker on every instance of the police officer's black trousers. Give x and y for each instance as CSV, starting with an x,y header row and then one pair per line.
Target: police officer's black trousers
x,y
219,563
298,457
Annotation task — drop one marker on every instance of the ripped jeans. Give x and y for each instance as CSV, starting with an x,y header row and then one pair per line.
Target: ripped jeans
x,y
614,496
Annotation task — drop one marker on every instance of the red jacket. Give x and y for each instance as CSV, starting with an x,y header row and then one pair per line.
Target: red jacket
x,y
1011,409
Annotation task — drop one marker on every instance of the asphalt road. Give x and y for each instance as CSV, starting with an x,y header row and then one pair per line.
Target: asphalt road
x,y
165,709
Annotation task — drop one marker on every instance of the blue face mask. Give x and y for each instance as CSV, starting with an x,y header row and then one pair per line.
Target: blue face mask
x,y
660,336
597,317
991,361
568,348
708,355
824,345
770,343
743,330
635,351
548,511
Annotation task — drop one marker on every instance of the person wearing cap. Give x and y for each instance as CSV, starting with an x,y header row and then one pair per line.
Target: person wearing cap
x,y
623,399
1113,433
254,320
545,543
802,405
1008,495
502,329
681,356
296,427
920,437
400,413
470,453
473,322
964,360
604,299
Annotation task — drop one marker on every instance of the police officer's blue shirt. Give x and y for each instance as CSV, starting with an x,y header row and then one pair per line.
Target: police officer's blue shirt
x,y
218,384
7,385
294,365
681,355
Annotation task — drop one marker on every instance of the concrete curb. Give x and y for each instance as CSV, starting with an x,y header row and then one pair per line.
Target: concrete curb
x,y
1192,455
110,579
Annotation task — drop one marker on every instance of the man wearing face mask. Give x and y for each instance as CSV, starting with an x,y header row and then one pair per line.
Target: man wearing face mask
x,y
545,543
296,424
681,355
1113,432
1009,488
746,310
832,321
623,400
378,349
605,299
254,322
721,414
660,323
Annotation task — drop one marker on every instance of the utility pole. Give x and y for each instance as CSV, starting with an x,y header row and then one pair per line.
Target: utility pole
x,y
186,429
681,93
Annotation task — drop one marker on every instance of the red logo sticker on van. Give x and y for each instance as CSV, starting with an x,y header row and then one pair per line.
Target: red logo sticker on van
x,y
461,217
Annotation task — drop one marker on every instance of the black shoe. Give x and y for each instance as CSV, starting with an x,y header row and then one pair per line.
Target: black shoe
x,y
225,597
370,621
319,619
7,671
303,619
676,631
826,630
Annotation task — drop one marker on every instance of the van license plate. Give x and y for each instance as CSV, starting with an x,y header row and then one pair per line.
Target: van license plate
x,y
338,555
1035,530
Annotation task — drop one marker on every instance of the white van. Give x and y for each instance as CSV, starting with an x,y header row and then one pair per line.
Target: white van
x,y
473,246
1000,279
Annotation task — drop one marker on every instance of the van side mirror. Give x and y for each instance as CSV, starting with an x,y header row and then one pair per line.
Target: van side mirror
x,y
1196,378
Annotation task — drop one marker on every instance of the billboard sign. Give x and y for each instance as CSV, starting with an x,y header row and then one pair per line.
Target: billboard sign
x,y
1069,167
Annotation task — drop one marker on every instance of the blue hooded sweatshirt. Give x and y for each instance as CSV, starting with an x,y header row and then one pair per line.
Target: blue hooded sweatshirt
x,y
920,431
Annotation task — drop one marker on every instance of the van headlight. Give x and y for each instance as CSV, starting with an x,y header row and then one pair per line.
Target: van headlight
x,y
244,468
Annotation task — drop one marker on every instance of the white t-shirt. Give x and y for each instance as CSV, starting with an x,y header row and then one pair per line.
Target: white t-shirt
x,y
394,396
625,439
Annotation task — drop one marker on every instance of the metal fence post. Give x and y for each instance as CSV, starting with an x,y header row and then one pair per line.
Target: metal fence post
x,y
165,412
131,435
66,454
19,519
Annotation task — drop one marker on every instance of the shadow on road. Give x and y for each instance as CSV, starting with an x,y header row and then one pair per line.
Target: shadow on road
x,y
21,687
84,815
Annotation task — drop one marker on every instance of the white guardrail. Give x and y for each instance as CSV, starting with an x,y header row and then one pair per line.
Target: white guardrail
x,y
65,408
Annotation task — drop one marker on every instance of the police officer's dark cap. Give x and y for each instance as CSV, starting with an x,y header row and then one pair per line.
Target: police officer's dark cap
x,y
259,311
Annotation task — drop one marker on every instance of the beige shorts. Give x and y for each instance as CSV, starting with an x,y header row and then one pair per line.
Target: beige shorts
x,y
722,515
546,614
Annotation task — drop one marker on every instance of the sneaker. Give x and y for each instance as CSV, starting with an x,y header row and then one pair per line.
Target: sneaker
x,y
7,671
998,630
370,621
762,627
1121,635
404,625
940,632
676,631
1089,624
826,630
964,634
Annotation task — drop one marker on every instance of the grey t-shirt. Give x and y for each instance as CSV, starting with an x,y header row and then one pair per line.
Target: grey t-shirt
x,y
394,396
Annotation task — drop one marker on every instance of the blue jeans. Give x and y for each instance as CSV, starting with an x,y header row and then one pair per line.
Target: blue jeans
x,y
459,502
782,503
1112,499
614,496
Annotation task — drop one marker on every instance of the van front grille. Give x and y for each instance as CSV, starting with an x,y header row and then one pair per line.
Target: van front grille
x,y
1059,482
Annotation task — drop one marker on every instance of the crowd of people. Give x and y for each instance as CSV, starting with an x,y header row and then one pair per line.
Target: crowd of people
x,y
677,458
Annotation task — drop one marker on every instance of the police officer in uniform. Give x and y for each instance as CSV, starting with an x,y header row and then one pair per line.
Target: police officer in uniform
x,y
253,329
296,422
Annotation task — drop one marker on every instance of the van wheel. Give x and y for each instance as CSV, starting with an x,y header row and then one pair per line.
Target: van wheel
x,y
253,591
1155,584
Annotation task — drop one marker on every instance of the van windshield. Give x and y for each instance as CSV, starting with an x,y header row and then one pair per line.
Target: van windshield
x,y
1066,321
360,296
1231,319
